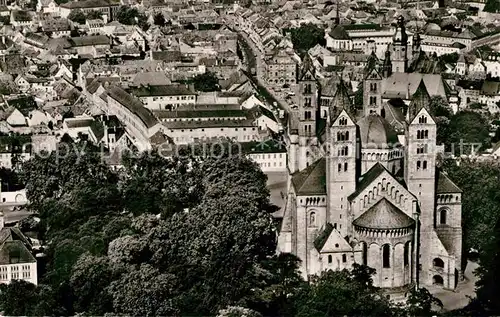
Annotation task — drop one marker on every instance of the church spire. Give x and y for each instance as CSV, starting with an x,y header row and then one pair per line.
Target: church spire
x,y
307,67
341,101
337,17
387,65
420,99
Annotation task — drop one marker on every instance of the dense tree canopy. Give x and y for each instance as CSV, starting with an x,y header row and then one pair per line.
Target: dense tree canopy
x,y
77,16
442,113
159,19
460,132
492,6
173,236
132,16
451,58
480,183
471,129
206,82
307,36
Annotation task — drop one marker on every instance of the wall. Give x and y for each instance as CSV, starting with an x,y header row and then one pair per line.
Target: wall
x,y
270,162
24,271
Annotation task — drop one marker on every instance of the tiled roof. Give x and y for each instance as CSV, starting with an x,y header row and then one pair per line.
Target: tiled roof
x,y
25,104
215,113
375,130
15,252
321,239
168,56
367,179
312,180
339,33
384,215
90,40
402,84
341,101
78,122
247,123
267,146
419,100
14,244
163,90
445,185
132,104
83,4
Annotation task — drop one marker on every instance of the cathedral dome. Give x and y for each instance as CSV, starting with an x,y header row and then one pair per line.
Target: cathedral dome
x,y
376,132
384,215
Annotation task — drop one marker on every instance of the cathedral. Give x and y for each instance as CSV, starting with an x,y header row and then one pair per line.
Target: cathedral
x,y
363,185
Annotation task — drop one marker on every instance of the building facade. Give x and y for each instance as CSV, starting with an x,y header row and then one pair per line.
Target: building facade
x,y
356,194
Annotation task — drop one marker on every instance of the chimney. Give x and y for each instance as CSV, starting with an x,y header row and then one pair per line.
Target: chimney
x,y
3,39
2,220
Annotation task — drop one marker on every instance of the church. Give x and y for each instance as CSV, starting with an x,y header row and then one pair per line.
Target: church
x,y
363,186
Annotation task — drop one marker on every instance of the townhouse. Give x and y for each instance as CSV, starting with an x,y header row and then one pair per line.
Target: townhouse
x,y
164,97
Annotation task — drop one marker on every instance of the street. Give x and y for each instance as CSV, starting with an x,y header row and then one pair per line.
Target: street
x,y
260,73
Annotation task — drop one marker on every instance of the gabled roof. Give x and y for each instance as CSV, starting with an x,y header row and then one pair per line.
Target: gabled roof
x,y
341,101
335,243
307,67
320,240
384,215
15,252
373,74
339,33
445,185
133,104
420,99
368,178
312,180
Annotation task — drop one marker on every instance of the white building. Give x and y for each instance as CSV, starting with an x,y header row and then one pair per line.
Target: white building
x,y
16,260
270,155
164,97
140,123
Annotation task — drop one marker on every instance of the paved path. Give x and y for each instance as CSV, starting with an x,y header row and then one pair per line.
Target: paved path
x,y
465,289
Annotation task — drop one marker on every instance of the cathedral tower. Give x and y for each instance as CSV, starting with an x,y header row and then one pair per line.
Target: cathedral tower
x,y
387,65
420,167
399,48
307,111
372,93
341,164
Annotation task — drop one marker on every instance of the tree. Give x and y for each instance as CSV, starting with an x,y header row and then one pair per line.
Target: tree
x,y
94,14
144,292
479,182
18,298
488,285
451,58
281,284
126,15
57,174
442,112
131,16
342,293
236,311
420,303
466,129
307,36
492,6
77,16
159,19
160,185
206,82
89,279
